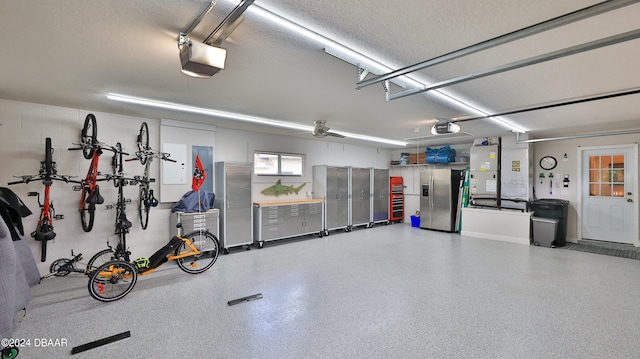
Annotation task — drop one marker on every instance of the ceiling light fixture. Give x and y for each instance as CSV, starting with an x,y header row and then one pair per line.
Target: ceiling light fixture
x,y
239,117
367,62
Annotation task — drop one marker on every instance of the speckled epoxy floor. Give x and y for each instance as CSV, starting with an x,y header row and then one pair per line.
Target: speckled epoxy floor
x,y
386,292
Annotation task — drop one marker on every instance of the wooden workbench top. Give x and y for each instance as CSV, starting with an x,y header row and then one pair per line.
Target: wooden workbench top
x,y
295,201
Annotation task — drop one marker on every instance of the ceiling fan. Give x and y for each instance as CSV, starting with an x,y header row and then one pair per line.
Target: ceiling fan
x,y
321,130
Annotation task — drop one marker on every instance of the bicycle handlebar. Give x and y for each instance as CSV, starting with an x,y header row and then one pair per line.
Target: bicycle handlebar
x,y
151,154
97,145
29,178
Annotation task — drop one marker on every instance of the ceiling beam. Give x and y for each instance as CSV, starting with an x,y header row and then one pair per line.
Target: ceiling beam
x,y
562,20
606,96
573,50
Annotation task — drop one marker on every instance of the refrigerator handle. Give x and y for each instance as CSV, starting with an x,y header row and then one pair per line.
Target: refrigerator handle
x,y
431,192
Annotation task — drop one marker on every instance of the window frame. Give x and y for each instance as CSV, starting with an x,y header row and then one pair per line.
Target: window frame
x,y
279,163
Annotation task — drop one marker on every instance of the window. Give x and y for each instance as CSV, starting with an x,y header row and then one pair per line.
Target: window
x,y
277,164
606,176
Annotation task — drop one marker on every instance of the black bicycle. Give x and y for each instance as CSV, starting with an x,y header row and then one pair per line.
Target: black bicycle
x,y
145,154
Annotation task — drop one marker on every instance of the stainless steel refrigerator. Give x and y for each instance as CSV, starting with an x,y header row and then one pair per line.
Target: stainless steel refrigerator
x,y
439,198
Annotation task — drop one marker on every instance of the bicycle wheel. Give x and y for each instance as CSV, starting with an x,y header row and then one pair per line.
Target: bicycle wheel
x,y
89,136
112,281
144,206
143,141
10,352
102,257
116,164
48,157
88,210
209,249
61,267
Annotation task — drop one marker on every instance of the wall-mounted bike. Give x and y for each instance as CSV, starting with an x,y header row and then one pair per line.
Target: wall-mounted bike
x,y
145,154
48,173
90,191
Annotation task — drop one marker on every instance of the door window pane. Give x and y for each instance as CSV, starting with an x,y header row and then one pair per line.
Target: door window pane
x,y
606,175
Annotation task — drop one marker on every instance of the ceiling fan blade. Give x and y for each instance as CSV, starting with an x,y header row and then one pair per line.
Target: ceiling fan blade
x,y
335,134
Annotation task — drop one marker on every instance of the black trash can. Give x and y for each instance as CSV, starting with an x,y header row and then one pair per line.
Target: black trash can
x,y
553,209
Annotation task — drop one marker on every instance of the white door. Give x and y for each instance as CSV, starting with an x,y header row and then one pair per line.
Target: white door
x,y
609,211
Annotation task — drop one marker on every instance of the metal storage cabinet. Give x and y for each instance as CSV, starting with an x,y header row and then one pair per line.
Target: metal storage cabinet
x,y
233,199
331,184
278,221
360,196
380,193
313,218
397,198
194,221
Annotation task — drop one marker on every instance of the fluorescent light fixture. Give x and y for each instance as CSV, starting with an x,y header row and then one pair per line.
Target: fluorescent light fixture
x,y
201,60
347,54
239,117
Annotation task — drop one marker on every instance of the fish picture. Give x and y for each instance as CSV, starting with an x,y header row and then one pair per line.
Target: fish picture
x,y
278,189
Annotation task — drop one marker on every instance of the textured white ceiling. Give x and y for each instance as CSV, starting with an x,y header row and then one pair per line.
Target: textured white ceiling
x,y
72,52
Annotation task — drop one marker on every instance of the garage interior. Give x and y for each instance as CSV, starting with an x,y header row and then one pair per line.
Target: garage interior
x,y
347,85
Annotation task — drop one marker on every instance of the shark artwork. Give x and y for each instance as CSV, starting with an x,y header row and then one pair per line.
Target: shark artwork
x,y
278,189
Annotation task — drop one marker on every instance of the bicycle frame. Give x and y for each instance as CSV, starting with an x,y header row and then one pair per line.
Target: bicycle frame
x,y
47,173
91,181
90,191
193,251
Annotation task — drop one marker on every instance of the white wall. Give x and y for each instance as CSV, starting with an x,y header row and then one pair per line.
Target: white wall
x,y
569,166
26,125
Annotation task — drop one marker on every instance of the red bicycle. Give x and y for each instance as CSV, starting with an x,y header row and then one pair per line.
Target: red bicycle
x,y
48,173
91,149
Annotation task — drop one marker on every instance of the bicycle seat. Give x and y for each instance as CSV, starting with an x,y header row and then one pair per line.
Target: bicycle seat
x,y
44,233
123,222
152,200
95,197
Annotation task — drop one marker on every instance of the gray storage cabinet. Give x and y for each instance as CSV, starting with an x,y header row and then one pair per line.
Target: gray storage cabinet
x,y
195,221
233,199
360,196
380,194
277,221
331,184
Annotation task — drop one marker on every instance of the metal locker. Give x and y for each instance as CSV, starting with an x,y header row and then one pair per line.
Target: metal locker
x,y
360,196
331,184
233,199
380,212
